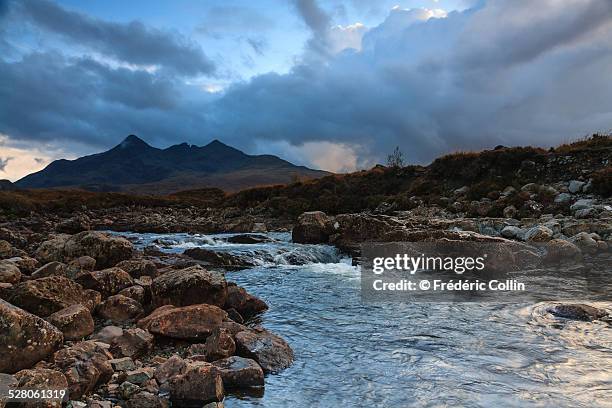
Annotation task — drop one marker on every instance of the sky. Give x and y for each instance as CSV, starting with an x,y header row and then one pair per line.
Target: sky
x,y
332,84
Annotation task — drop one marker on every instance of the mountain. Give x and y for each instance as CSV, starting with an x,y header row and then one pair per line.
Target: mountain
x,y
135,166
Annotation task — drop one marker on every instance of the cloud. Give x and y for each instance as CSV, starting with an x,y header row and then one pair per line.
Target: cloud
x,y
4,162
220,21
258,45
133,42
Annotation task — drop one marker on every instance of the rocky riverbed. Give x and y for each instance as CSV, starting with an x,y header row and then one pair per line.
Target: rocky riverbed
x,y
118,325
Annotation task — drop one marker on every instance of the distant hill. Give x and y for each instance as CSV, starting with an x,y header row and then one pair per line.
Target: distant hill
x,y
135,166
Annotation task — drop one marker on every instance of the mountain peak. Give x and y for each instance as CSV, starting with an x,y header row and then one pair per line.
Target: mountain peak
x,y
216,142
133,141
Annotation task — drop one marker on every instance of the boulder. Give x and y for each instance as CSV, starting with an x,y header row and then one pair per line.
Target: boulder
x,y
9,272
585,241
74,225
132,343
220,259
563,198
220,344
145,399
199,384
80,265
586,213
26,264
193,285
312,227
85,365
6,381
248,239
538,233
25,339
173,366
243,302
582,204
108,281
193,322
135,292
578,312
42,379
558,250
54,268
138,267
107,334
575,186
52,249
75,322
510,211
7,250
239,372
119,308
271,352
48,295
122,364
512,232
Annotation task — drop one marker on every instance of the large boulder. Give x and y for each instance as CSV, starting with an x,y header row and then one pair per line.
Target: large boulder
x,y
9,272
42,379
239,372
119,308
193,322
578,312
25,339
49,295
108,282
85,365
199,383
193,285
243,302
312,227
75,322
138,267
73,225
133,342
220,259
271,352
220,344
54,268
559,250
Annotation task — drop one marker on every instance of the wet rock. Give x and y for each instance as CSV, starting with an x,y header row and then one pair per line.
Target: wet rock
x,y
220,344
558,250
313,227
85,366
138,267
119,308
189,322
75,322
575,186
145,399
135,292
133,343
512,232
9,272
220,259
50,269
122,364
243,302
201,383
538,233
193,285
578,312
48,295
108,281
108,334
25,339
271,352
234,315
248,239
585,241
239,372
42,379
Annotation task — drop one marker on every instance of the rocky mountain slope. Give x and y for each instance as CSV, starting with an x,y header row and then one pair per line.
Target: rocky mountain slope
x,y
135,166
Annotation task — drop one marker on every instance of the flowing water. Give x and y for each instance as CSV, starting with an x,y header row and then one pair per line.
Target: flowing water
x,y
349,353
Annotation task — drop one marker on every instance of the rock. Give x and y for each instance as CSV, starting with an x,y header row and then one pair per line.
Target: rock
x,y
271,352
508,191
54,268
582,204
461,191
201,383
234,315
238,372
25,264
586,213
248,239
25,339
45,296
7,250
52,249
108,334
170,368
246,304
193,322
145,399
9,272
105,249
80,265
512,232
510,211
539,233
85,365
135,292
585,241
119,308
578,312
563,198
75,322
122,364
74,225
42,379
193,285
138,267
108,281
312,227
140,375
127,389
575,186
558,250
531,188
132,343
220,344
221,259
6,381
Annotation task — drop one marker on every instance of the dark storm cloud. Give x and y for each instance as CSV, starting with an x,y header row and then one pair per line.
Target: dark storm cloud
x,y
133,42
318,22
4,162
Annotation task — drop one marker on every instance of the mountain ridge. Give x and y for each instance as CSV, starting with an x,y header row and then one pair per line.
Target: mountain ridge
x,y
133,165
